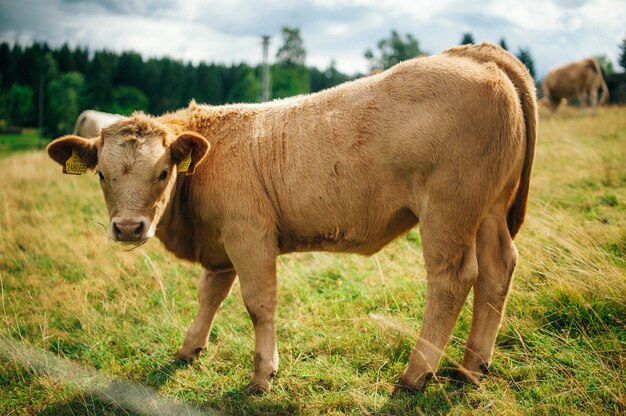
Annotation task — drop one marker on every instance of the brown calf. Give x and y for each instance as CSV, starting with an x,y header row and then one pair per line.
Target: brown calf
x,y
445,141
580,79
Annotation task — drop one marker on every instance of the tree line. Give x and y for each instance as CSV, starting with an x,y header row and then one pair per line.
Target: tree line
x,y
48,87
44,85
397,48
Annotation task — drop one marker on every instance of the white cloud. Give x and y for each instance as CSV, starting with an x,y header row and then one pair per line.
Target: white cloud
x,y
556,31
157,37
528,15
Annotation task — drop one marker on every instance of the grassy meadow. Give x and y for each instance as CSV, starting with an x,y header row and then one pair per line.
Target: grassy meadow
x,y
27,140
90,327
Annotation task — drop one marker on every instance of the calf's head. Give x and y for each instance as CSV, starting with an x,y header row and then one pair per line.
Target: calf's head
x,y
137,161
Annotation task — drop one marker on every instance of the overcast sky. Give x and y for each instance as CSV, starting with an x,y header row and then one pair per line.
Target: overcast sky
x,y
228,31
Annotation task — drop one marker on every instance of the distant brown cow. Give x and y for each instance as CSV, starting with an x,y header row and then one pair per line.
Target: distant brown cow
x,y
580,79
89,122
445,141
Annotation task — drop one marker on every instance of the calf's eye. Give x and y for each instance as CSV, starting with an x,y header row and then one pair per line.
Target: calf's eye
x,y
101,175
163,174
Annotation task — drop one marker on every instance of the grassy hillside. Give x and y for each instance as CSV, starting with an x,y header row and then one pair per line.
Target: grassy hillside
x,y
87,327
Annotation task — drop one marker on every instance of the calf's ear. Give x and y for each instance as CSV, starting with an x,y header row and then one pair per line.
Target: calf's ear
x,y
188,150
76,148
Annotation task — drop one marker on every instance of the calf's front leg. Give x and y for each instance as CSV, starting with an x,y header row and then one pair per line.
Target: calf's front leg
x,y
255,263
212,290
259,296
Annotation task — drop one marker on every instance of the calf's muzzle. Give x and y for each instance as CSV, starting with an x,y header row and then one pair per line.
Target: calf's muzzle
x,y
129,229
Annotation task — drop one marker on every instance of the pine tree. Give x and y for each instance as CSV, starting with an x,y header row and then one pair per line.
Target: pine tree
x,y
503,44
467,39
524,55
289,76
292,53
64,59
20,106
393,50
64,96
622,56
6,78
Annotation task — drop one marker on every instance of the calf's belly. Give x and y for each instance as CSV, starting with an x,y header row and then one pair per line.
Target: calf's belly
x,y
357,234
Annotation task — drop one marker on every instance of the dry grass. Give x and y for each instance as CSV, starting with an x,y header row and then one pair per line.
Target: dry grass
x,y
345,324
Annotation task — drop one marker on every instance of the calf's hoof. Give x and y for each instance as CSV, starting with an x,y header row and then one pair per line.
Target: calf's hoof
x,y
187,355
466,375
407,384
260,384
258,388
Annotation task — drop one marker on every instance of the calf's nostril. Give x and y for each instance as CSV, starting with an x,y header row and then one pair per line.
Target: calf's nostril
x,y
116,230
139,229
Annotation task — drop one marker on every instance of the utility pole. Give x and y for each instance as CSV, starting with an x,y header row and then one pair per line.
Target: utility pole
x,y
267,80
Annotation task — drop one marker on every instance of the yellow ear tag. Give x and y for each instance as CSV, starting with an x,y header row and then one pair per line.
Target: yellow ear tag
x,y
183,165
75,165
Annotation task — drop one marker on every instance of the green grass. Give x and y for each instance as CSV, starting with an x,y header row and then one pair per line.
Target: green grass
x,y
346,324
28,140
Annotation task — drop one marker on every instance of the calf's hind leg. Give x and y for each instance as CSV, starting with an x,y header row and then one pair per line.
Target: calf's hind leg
x,y
212,290
593,100
497,257
450,256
